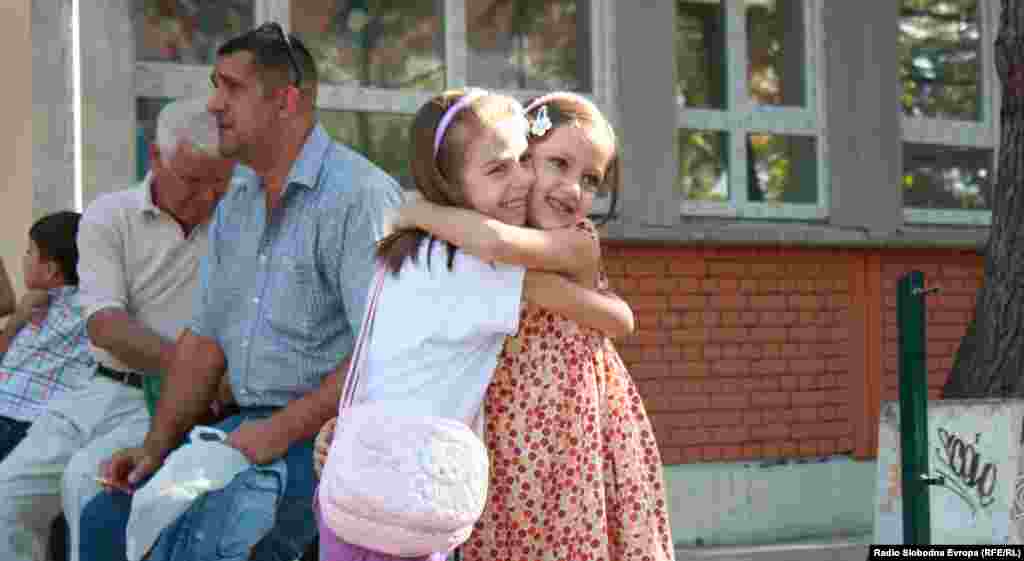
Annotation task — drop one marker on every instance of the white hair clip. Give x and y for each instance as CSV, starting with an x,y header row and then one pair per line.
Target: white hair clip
x,y
541,124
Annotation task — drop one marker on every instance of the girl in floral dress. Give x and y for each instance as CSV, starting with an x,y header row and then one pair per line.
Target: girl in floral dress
x,y
575,470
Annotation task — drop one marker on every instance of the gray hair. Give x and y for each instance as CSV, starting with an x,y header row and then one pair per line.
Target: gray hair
x,y
186,121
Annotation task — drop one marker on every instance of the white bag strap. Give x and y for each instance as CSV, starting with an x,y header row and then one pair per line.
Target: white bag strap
x,y
358,363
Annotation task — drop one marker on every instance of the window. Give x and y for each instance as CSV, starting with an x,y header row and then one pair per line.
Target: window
x,y
379,61
747,83
949,101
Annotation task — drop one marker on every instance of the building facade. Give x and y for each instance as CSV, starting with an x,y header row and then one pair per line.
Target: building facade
x,y
784,162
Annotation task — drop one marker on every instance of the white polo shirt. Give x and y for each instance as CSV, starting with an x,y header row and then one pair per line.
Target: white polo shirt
x,y
437,334
135,257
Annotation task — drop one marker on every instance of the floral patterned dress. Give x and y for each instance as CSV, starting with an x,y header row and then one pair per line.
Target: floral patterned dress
x,y
575,470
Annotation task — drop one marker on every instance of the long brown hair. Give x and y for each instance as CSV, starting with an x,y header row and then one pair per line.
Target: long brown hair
x,y
566,108
439,179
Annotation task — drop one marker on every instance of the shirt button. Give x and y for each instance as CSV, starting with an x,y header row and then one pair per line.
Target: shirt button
x,y
244,344
263,258
255,300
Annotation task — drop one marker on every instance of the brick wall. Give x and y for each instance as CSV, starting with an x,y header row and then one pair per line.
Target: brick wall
x,y
747,353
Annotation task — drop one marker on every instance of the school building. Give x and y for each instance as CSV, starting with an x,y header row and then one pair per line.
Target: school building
x,y
784,162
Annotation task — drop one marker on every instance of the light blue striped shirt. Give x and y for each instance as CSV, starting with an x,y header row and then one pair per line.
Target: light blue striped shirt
x,y
283,297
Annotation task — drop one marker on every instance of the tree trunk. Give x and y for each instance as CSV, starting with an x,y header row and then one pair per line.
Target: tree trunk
x,y
990,360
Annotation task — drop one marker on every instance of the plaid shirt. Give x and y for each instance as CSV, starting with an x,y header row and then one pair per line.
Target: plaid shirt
x,y
47,360
282,295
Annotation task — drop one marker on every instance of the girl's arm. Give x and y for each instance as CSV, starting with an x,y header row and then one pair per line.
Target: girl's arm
x,y
565,250
602,311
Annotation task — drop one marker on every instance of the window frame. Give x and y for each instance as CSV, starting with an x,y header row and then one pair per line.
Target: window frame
x,y
741,116
982,134
175,80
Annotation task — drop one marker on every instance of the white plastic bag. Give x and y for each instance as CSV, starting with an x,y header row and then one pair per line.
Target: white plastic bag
x,y
204,464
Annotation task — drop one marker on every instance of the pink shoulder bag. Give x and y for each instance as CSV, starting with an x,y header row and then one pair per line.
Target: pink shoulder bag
x,y
401,484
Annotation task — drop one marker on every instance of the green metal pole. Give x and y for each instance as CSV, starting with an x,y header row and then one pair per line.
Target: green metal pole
x,y
910,313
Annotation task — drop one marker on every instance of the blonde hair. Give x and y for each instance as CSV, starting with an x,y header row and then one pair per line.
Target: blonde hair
x,y
439,178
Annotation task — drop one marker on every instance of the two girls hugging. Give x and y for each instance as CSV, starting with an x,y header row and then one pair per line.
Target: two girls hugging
x,y
496,303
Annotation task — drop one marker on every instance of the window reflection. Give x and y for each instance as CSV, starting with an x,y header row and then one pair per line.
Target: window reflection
x,y
703,165
939,50
946,177
186,31
521,44
382,137
700,54
373,43
781,169
775,52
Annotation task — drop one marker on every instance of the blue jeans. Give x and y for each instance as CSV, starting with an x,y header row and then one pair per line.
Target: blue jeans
x,y
266,511
12,432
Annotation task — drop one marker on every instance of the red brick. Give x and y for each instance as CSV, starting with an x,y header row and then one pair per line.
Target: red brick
x,y
822,430
689,335
730,401
713,352
768,286
789,383
808,449
827,447
844,445
807,414
722,301
732,453
689,402
690,369
751,417
766,335
642,302
748,286
731,367
811,366
768,432
803,334
721,418
770,399
730,435
672,456
687,302
711,453
645,370
762,270
804,302
646,266
809,398
726,269
810,382
686,267
768,302
767,367
690,436
773,350
727,334
687,284
649,337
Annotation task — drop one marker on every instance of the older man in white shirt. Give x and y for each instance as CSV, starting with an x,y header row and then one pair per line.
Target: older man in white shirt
x,y
139,258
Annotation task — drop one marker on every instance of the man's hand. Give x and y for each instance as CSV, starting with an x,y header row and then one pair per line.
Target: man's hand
x,y
259,441
126,468
225,397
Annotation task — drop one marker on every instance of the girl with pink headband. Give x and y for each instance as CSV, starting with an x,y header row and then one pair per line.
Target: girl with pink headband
x,y
576,472
443,314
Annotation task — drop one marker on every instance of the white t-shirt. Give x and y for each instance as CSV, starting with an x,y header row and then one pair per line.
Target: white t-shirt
x,y
437,333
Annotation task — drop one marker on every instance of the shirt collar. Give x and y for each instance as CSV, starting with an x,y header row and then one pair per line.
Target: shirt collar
x,y
62,292
148,205
307,166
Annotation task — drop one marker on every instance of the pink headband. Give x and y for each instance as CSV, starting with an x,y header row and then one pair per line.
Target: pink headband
x,y
453,110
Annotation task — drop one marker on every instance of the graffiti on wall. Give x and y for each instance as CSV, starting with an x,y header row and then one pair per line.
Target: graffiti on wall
x,y
967,474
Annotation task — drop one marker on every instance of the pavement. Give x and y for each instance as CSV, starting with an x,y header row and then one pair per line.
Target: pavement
x,y
835,549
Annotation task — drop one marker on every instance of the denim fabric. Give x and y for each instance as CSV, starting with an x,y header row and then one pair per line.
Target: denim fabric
x,y
265,511
12,432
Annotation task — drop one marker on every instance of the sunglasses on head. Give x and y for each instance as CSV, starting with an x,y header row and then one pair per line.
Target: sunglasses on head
x,y
275,29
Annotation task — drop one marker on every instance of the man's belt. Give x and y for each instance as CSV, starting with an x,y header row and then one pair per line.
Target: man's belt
x,y
132,379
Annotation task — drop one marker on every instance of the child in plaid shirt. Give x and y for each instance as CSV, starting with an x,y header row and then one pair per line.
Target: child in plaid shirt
x,y
44,349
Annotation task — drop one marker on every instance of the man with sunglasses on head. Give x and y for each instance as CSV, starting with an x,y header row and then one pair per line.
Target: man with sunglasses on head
x,y
282,293
138,262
